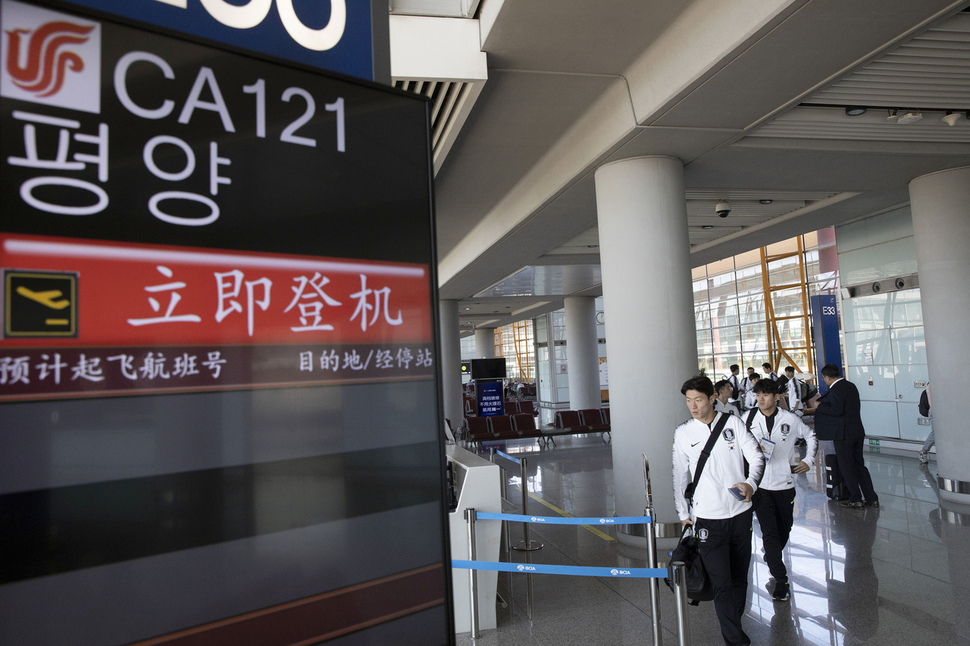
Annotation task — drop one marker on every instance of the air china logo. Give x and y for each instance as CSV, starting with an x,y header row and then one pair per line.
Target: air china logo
x,y
50,58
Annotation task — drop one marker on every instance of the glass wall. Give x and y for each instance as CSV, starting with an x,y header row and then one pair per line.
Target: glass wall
x,y
885,351
517,344
730,314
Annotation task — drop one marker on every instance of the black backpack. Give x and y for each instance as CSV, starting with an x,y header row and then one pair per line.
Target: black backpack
x,y
924,404
806,390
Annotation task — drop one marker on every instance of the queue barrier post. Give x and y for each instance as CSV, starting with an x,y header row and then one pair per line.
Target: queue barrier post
x,y
527,545
654,583
680,587
470,517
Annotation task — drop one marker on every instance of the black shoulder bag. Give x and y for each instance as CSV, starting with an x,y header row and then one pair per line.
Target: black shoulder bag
x,y
698,582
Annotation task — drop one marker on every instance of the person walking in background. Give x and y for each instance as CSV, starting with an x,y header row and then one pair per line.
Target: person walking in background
x,y
774,502
724,403
769,373
721,510
750,399
838,418
926,410
793,388
746,385
735,382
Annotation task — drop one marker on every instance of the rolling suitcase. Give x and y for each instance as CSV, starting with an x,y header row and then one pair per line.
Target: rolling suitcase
x,y
834,488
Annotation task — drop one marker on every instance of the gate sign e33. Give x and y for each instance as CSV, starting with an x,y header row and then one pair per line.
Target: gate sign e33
x,y
335,35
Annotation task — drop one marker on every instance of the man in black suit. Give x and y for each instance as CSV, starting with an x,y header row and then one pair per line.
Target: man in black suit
x,y
837,418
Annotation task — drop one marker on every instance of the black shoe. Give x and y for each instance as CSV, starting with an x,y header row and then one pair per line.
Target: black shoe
x,y
852,505
874,504
781,593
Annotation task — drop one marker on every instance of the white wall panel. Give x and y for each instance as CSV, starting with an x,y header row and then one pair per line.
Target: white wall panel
x,y
912,425
874,312
880,419
869,348
883,386
905,378
878,262
909,346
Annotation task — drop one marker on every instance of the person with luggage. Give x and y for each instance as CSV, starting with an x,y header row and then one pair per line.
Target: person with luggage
x,y
774,503
792,390
735,382
769,372
709,453
838,418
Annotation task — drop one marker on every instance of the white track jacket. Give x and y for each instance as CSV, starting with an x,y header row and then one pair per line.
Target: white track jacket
x,y
787,428
724,467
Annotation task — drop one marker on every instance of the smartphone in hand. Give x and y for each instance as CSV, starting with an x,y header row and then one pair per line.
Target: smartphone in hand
x,y
736,492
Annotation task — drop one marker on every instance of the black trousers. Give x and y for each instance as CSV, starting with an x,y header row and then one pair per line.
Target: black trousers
x,y
775,511
854,471
725,547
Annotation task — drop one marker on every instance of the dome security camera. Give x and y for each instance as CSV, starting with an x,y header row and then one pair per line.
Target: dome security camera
x,y
723,209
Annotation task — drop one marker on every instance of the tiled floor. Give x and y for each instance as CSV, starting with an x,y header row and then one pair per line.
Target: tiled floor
x,y
878,576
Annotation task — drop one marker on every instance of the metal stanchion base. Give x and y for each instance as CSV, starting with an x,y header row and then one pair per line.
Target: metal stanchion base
x,y
532,546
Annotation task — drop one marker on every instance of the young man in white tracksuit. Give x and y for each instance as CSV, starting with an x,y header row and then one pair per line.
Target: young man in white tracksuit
x,y
722,521
777,431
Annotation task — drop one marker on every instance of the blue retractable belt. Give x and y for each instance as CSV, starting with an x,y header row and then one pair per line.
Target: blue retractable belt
x,y
508,457
556,520
571,570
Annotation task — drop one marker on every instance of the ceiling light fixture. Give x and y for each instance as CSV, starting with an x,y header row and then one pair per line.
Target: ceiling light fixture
x,y
910,117
950,118
707,226
765,201
854,110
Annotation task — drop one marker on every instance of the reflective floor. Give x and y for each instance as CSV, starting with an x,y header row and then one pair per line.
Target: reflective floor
x,y
893,575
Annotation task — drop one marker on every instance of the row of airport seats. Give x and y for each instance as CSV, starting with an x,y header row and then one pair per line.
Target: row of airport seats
x,y
576,422
522,425
502,427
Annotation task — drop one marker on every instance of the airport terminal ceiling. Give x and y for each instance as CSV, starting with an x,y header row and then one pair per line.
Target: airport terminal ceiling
x,y
751,98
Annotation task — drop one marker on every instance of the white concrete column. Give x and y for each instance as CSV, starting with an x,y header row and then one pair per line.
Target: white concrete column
x,y
582,352
941,223
450,359
645,258
485,343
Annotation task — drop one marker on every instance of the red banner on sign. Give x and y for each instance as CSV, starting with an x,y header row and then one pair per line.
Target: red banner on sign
x,y
61,292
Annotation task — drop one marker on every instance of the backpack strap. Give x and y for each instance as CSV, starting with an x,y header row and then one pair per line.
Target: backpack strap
x,y
705,453
751,414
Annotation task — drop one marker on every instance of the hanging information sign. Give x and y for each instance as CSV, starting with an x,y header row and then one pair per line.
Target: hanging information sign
x,y
218,383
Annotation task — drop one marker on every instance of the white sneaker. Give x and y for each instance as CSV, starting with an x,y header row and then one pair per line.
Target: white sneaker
x,y
923,456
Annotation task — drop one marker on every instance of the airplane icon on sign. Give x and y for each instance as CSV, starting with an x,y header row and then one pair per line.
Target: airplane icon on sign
x,y
45,298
